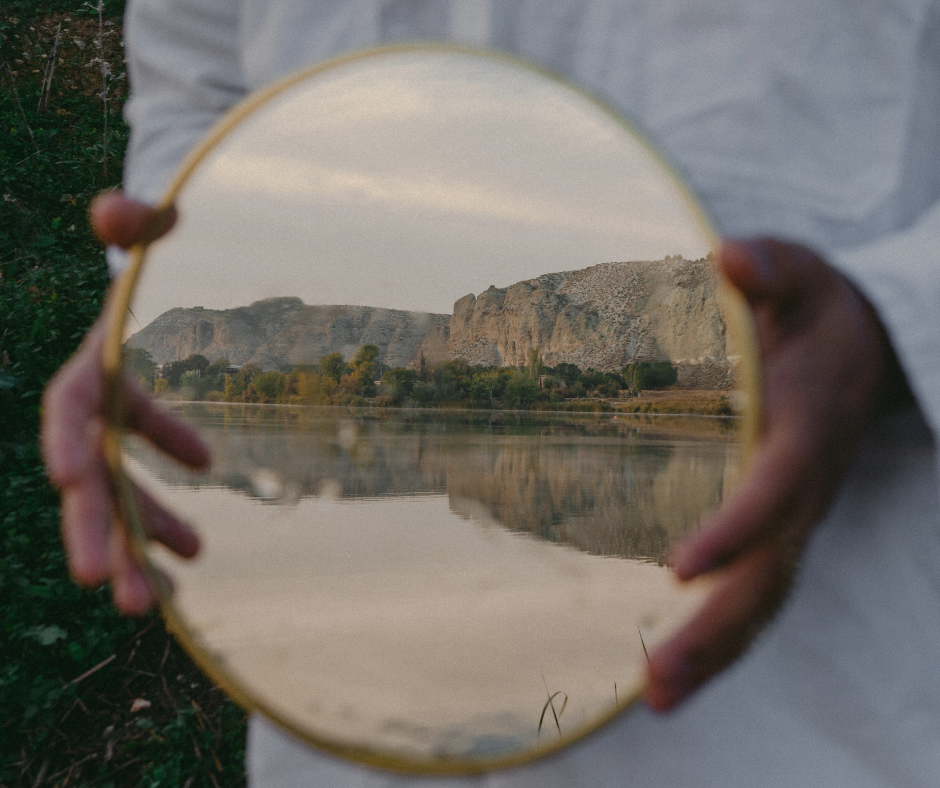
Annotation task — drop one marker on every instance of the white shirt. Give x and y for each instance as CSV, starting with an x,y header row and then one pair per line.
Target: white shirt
x,y
815,121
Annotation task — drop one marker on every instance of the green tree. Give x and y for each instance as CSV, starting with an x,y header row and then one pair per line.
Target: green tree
x,y
314,388
484,387
398,383
197,363
649,375
190,381
269,385
451,378
426,392
173,371
249,371
609,388
365,369
233,386
333,366
535,365
521,391
569,373
577,389
140,364
217,368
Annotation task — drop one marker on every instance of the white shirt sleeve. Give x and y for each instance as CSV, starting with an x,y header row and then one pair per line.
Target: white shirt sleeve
x,y
185,74
900,274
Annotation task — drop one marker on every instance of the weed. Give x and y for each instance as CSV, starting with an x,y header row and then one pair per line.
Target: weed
x,y
550,704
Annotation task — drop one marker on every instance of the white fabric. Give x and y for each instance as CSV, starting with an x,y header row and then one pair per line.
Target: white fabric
x,y
812,120
840,692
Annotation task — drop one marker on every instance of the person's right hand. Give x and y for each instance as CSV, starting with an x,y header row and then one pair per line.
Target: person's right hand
x,y
72,434
828,371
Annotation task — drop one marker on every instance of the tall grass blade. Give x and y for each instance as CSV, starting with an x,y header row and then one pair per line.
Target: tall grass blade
x,y
550,704
644,646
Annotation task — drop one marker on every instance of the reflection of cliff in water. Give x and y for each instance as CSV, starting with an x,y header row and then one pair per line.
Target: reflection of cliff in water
x,y
629,500
604,486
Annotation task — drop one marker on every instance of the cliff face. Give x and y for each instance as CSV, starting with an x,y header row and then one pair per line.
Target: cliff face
x,y
285,330
603,317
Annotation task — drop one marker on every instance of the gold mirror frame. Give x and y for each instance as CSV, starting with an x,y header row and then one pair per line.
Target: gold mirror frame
x,y
739,324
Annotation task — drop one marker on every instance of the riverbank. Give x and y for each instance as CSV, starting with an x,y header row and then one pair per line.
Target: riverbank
x,y
679,402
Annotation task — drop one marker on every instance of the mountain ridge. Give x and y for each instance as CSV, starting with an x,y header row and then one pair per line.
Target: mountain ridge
x,y
604,316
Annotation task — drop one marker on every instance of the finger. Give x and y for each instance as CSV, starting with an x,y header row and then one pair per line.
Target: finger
x,y
163,526
164,430
763,501
766,269
71,404
86,516
747,595
120,221
129,586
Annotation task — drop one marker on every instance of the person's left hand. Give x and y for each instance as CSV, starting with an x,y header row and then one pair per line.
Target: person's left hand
x,y
827,369
72,441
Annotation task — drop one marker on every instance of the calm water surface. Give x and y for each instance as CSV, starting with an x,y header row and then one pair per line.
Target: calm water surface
x,y
421,582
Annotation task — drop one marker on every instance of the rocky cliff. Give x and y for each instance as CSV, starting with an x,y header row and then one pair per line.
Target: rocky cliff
x,y
279,331
603,317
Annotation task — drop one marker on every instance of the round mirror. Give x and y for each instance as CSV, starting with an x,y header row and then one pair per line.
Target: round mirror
x,y
453,333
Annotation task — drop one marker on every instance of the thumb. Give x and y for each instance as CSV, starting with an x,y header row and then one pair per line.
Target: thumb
x,y
120,221
765,269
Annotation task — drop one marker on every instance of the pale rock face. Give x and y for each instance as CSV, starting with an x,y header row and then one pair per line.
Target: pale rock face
x,y
604,317
279,331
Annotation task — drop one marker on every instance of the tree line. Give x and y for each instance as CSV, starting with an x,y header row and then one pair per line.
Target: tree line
x,y
364,379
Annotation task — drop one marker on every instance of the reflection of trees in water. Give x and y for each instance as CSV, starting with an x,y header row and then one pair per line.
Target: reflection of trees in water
x,y
598,485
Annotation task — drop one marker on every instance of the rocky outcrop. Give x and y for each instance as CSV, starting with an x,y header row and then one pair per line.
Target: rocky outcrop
x,y
603,317
279,331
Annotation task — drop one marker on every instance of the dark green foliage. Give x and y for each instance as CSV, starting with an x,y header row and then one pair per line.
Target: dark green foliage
x,y
28,10
53,277
450,383
521,391
568,373
175,370
217,368
398,383
140,364
268,385
649,375
333,366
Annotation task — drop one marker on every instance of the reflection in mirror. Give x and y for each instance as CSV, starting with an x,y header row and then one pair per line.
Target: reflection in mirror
x,y
454,336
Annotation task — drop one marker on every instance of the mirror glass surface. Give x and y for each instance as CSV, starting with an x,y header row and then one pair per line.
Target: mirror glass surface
x,y
453,334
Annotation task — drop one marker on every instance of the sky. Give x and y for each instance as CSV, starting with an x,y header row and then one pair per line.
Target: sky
x,y
408,180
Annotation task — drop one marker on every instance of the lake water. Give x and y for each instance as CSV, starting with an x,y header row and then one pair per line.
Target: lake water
x,y
420,582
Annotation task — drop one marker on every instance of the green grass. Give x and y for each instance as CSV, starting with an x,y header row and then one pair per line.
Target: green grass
x,y
62,724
